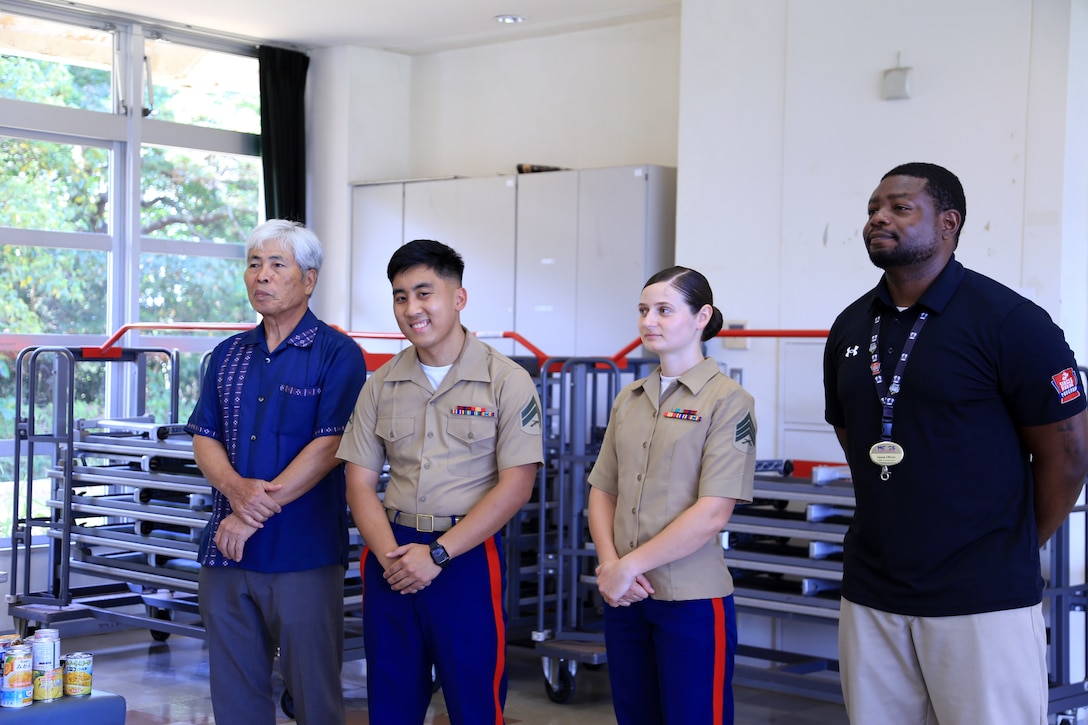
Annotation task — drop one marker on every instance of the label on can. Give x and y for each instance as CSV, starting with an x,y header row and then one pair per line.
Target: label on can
x,y
16,664
7,640
49,685
78,673
46,654
16,696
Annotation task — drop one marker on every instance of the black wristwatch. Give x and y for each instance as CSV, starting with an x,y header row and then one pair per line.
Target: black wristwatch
x,y
439,554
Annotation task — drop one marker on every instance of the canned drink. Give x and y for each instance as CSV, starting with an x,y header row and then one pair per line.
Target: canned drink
x,y
17,667
47,634
7,640
78,673
49,685
16,696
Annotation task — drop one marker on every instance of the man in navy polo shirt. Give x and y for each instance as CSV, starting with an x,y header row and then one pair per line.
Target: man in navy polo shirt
x,y
273,405
960,409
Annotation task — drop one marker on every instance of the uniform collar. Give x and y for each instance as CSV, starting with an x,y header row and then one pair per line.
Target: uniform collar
x,y
936,297
693,379
302,336
471,364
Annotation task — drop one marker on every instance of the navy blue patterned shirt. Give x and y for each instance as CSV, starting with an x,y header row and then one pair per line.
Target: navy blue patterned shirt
x,y
264,407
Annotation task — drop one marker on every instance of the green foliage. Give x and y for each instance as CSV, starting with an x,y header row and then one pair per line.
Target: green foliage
x,y
208,198
43,81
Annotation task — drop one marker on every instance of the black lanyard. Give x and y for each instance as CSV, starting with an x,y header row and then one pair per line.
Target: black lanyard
x,y
886,393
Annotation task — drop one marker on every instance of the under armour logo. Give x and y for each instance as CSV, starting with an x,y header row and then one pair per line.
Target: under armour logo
x,y
851,351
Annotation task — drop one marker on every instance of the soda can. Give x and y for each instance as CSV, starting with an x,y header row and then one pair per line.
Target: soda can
x,y
7,640
49,685
16,664
78,673
16,696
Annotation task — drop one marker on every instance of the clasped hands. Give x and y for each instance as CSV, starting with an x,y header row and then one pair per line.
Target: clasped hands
x,y
620,586
411,568
252,505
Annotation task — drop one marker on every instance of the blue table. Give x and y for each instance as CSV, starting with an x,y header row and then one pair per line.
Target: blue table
x,y
98,708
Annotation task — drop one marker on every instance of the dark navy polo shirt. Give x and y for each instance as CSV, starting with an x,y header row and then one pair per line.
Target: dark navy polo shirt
x,y
953,530
265,407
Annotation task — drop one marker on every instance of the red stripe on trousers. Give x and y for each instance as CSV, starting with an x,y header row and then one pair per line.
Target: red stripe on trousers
x,y
362,576
719,659
495,577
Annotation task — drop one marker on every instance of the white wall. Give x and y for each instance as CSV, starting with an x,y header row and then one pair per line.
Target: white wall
x,y
595,98
358,128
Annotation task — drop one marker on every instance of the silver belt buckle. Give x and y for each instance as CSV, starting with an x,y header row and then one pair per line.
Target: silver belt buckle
x,y
425,517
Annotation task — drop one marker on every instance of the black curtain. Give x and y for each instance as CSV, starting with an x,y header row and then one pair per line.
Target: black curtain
x,y
283,132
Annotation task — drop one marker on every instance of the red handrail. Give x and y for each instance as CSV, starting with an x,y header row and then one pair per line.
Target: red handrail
x,y
106,349
620,358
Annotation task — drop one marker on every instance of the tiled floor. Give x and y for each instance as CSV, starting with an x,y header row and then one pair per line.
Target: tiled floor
x,y
167,682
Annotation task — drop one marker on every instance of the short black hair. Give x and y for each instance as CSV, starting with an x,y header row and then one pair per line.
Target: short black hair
x,y
941,185
446,262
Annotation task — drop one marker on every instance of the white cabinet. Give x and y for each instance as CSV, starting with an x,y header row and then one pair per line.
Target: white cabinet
x,y
559,257
474,216
377,229
587,242
546,293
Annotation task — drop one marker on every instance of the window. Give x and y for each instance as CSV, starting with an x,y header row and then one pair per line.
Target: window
x,y
54,186
56,63
198,195
202,87
116,210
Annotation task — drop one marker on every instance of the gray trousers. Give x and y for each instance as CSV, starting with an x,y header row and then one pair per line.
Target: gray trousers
x,y
248,615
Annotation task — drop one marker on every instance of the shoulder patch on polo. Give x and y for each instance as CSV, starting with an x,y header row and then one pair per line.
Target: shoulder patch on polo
x,y
530,417
1065,383
744,434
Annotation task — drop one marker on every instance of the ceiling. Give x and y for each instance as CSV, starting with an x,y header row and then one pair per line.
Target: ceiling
x,y
406,26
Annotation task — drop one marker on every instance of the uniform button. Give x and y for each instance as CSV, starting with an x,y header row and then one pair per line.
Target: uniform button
x,y
632,510
253,438
645,444
470,436
268,359
430,434
638,477
422,499
431,402
631,544
427,466
260,399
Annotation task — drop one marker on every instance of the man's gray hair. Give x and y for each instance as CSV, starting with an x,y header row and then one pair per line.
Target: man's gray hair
x,y
303,243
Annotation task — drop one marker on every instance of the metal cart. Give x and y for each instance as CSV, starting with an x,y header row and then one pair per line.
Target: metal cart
x,y
576,395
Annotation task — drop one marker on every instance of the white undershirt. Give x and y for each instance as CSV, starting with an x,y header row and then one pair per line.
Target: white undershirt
x,y
436,374
666,386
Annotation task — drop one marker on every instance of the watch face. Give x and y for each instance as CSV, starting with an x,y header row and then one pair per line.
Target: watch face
x,y
439,555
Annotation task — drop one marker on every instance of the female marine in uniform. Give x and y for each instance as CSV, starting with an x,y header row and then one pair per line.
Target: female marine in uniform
x,y
678,453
